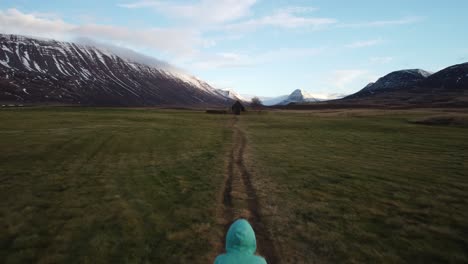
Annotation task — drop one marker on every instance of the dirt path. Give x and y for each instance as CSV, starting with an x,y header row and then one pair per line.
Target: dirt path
x,y
240,198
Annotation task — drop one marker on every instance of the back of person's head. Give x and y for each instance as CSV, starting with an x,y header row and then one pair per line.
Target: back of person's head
x,y
241,245
241,237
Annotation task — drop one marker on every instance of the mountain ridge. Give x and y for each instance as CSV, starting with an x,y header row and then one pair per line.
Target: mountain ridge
x,y
395,80
405,89
42,71
447,87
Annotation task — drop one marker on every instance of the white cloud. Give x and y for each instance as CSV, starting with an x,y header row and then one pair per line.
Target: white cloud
x,y
299,9
178,41
364,43
383,23
126,53
285,18
14,21
204,11
185,43
222,60
236,59
381,60
223,14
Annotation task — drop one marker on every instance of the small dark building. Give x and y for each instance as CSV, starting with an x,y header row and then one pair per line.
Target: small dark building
x,y
237,108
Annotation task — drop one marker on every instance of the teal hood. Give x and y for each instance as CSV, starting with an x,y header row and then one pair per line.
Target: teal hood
x,y
241,238
240,245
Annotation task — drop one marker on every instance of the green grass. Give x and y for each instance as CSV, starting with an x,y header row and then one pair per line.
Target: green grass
x,y
109,185
84,185
361,188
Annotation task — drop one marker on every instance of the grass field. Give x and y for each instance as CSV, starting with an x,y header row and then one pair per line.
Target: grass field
x,y
83,185
362,186
109,186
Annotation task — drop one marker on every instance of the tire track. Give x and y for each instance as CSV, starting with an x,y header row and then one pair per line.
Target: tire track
x,y
237,171
227,195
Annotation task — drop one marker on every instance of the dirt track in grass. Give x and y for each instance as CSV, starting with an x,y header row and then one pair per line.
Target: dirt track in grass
x,y
240,197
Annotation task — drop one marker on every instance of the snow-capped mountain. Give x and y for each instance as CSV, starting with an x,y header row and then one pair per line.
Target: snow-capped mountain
x,y
448,87
394,80
42,71
228,93
297,96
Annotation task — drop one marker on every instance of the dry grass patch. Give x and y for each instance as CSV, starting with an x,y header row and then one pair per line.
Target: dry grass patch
x,y
453,119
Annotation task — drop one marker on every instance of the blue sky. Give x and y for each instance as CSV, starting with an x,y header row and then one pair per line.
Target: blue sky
x,y
263,47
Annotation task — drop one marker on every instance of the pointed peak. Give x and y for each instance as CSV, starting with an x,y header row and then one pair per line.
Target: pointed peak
x,y
297,92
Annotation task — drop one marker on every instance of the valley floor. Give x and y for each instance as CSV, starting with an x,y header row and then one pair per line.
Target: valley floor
x,y
84,185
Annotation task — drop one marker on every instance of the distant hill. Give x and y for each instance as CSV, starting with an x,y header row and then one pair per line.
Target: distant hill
x,y
297,96
405,88
403,79
448,87
451,78
48,71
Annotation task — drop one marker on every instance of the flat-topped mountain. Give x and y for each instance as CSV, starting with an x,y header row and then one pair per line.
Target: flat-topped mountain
x,y
48,71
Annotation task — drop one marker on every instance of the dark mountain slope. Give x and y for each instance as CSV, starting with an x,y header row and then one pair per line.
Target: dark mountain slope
x,y
403,79
448,87
451,78
45,71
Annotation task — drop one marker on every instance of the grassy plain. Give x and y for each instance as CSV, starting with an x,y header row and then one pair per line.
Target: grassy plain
x,y
360,186
83,185
109,185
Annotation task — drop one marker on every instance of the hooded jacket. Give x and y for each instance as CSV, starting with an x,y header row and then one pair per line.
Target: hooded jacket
x,y
240,245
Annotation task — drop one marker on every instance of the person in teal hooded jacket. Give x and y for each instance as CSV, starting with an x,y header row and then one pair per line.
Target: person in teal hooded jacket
x,y
240,245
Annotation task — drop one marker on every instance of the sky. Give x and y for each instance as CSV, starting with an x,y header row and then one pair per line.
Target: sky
x,y
263,47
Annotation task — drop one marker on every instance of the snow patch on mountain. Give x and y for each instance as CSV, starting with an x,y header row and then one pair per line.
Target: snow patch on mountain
x,y
87,66
228,93
394,80
297,96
